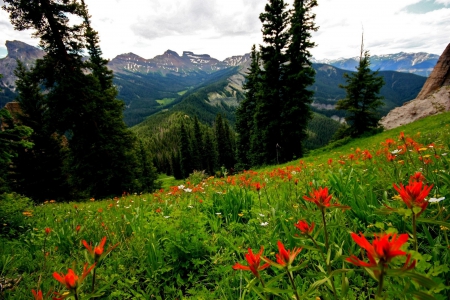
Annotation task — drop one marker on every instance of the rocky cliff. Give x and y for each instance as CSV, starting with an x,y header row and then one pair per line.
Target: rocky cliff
x,y
434,97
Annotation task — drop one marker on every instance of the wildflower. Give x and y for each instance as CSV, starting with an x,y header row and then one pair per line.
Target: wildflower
x,y
417,177
71,280
257,186
382,250
158,210
321,198
414,194
285,257
303,226
264,224
254,263
435,200
77,229
48,230
37,295
92,199
97,252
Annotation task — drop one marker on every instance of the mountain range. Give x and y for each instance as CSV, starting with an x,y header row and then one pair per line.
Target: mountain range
x,y
417,63
202,85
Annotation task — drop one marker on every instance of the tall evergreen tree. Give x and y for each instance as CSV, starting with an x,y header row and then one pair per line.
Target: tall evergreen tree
x,y
245,111
362,97
197,146
267,134
185,152
299,77
39,171
79,97
210,156
224,143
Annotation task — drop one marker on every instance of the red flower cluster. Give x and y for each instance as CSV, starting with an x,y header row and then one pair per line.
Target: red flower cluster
x,y
414,193
382,250
285,257
71,280
254,262
303,226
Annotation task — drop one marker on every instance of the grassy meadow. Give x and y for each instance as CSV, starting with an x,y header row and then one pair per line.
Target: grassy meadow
x,y
367,219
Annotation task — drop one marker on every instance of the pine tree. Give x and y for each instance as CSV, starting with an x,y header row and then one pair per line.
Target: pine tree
x,y
185,152
13,138
296,111
266,136
197,146
79,100
362,97
245,111
210,153
39,171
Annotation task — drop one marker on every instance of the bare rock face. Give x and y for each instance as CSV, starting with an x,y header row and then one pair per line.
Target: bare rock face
x,y
439,77
434,97
418,108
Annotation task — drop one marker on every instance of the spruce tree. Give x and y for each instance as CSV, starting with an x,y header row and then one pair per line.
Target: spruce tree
x,y
210,156
245,111
296,111
79,97
39,171
197,146
185,152
267,134
362,97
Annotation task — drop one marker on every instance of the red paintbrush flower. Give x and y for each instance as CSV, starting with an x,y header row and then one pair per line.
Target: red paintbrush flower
x,y
303,226
321,198
71,280
254,261
285,257
97,252
414,194
382,250
37,295
48,230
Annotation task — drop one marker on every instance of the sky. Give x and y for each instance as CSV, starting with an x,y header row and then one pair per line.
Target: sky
x,y
225,28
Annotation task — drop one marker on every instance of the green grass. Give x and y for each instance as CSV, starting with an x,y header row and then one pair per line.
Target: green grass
x,y
165,101
182,241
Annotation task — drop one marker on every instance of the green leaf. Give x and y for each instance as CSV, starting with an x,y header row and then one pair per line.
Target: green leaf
x,y
422,296
431,221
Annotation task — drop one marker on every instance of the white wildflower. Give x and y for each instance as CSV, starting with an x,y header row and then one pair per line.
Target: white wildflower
x,y
188,190
166,217
181,187
435,200
264,223
261,215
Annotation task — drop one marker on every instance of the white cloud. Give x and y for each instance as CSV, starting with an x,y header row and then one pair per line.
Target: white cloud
x,y
225,28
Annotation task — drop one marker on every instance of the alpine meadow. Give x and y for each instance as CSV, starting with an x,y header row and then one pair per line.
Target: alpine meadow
x,y
262,176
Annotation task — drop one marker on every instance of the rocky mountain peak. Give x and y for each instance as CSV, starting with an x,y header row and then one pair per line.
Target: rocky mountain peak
x,y
22,51
434,97
439,77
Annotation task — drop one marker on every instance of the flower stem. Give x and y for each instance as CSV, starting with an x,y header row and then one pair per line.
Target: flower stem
x,y
380,284
416,246
325,229
291,279
327,245
93,279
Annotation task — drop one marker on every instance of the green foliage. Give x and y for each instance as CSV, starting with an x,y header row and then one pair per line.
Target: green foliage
x,y
273,118
15,214
362,99
82,144
13,138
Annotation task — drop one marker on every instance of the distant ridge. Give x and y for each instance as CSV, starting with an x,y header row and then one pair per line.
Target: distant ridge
x,y
417,63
